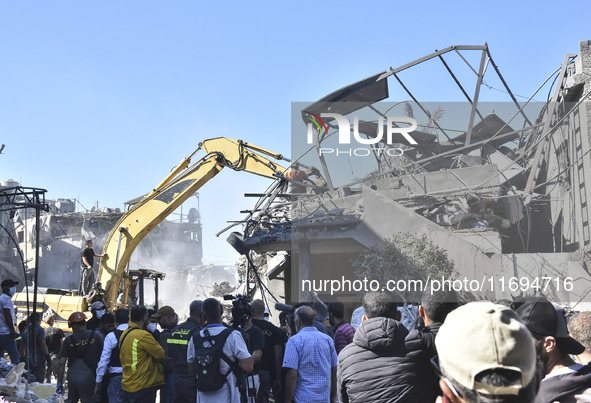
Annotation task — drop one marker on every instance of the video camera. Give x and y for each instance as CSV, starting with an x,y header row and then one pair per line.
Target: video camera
x,y
241,311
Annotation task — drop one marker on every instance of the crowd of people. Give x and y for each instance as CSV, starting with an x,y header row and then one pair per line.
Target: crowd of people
x,y
475,352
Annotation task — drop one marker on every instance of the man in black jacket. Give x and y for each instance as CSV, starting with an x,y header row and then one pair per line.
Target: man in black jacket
x,y
97,309
433,310
184,382
379,365
167,319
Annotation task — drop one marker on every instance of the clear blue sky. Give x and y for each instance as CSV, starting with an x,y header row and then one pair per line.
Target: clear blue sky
x,y
99,100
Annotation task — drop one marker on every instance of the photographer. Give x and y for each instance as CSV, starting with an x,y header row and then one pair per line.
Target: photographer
x,y
222,388
255,342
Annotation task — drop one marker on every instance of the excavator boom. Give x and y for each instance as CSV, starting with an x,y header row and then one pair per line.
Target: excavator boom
x,y
178,186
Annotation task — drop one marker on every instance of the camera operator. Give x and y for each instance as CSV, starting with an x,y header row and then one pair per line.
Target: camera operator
x,y
254,339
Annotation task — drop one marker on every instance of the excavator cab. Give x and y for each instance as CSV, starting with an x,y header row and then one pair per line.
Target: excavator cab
x,y
134,287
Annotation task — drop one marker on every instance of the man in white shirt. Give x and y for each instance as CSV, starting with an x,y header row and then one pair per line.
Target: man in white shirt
x,y
7,319
110,359
234,348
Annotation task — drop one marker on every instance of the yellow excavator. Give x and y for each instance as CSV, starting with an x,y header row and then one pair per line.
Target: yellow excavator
x,y
182,182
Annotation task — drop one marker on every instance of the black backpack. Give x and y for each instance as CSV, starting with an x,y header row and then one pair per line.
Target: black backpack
x,y
208,352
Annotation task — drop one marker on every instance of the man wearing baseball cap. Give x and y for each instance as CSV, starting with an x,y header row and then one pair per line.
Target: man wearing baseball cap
x,y
98,310
7,320
167,319
486,354
562,378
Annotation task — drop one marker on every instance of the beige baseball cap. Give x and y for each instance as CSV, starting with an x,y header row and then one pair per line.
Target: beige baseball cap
x,y
481,336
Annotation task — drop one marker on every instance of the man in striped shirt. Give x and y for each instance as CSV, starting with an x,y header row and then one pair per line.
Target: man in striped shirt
x,y
343,331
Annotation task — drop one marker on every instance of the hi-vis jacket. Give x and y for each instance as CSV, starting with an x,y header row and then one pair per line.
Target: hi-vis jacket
x,y
177,346
140,358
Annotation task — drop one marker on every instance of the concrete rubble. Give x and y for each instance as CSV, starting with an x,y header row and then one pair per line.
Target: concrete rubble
x,y
504,199
15,385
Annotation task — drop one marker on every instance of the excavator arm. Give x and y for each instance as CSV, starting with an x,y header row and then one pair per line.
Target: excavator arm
x,y
178,186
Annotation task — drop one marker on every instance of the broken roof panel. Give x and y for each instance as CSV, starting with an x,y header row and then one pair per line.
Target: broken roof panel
x,y
352,97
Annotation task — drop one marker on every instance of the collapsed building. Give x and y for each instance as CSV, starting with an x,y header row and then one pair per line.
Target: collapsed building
x,y
501,186
173,248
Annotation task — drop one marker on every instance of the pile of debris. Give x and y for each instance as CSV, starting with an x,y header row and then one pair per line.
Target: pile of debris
x,y
18,385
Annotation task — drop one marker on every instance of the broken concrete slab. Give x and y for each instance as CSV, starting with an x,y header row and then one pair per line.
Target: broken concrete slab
x,y
482,178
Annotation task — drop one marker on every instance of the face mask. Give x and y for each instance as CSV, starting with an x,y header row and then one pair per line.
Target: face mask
x,y
267,318
151,327
99,314
12,291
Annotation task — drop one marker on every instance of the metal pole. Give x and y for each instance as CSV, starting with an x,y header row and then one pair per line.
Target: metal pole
x,y
156,292
431,56
33,333
459,84
425,111
506,86
141,285
476,93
